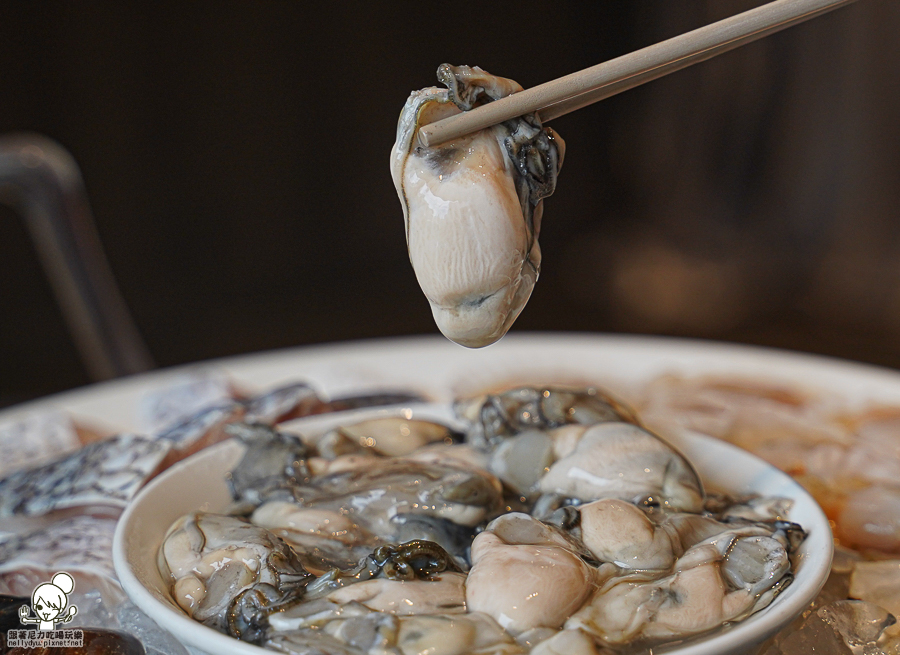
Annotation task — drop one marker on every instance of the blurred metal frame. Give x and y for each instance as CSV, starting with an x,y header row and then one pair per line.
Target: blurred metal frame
x,y
40,180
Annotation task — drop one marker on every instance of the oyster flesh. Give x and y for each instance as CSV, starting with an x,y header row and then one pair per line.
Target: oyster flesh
x,y
558,525
219,564
473,207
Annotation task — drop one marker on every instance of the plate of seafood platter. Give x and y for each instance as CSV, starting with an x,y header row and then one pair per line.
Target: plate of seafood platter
x,y
550,494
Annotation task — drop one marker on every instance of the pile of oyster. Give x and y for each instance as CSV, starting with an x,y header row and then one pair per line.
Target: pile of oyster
x,y
546,521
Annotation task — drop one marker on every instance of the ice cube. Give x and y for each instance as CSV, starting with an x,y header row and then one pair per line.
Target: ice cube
x,y
155,639
879,583
814,636
858,622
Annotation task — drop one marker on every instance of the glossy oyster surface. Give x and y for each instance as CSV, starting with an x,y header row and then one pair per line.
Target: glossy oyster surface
x,y
554,524
215,561
473,207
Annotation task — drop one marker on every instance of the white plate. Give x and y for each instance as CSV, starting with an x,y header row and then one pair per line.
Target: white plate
x,y
443,371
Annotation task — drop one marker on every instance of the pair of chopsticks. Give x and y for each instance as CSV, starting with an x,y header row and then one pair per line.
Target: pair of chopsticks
x,y
561,96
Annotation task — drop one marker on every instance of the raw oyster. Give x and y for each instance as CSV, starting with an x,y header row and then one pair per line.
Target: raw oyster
x,y
566,642
473,207
525,576
521,461
323,539
457,634
356,501
458,455
272,466
446,594
222,566
724,577
390,436
352,629
580,445
620,532
622,460
525,430
397,498
495,417
413,578
210,425
387,534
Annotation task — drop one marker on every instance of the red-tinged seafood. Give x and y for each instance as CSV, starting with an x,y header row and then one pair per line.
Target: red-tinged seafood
x,y
473,207
849,461
870,518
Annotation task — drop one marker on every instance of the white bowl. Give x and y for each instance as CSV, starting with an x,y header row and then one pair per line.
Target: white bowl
x,y
198,483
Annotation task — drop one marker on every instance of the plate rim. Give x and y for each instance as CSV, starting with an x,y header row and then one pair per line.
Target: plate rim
x,y
80,403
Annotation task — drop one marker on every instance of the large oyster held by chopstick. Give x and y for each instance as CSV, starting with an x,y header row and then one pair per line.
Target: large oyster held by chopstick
x,y
472,207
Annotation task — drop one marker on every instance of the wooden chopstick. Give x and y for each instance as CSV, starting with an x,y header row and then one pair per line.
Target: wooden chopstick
x,y
561,96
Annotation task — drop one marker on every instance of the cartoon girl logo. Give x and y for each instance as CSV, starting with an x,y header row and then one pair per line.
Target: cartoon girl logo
x,y
49,602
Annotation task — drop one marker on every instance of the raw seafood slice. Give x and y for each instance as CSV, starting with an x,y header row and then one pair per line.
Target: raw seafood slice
x,y
103,473
80,545
35,439
189,393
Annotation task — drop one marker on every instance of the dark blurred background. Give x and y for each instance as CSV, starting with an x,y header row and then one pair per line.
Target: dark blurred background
x,y
236,158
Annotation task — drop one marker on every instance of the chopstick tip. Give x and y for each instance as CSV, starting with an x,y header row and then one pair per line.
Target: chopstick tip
x,y
423,137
